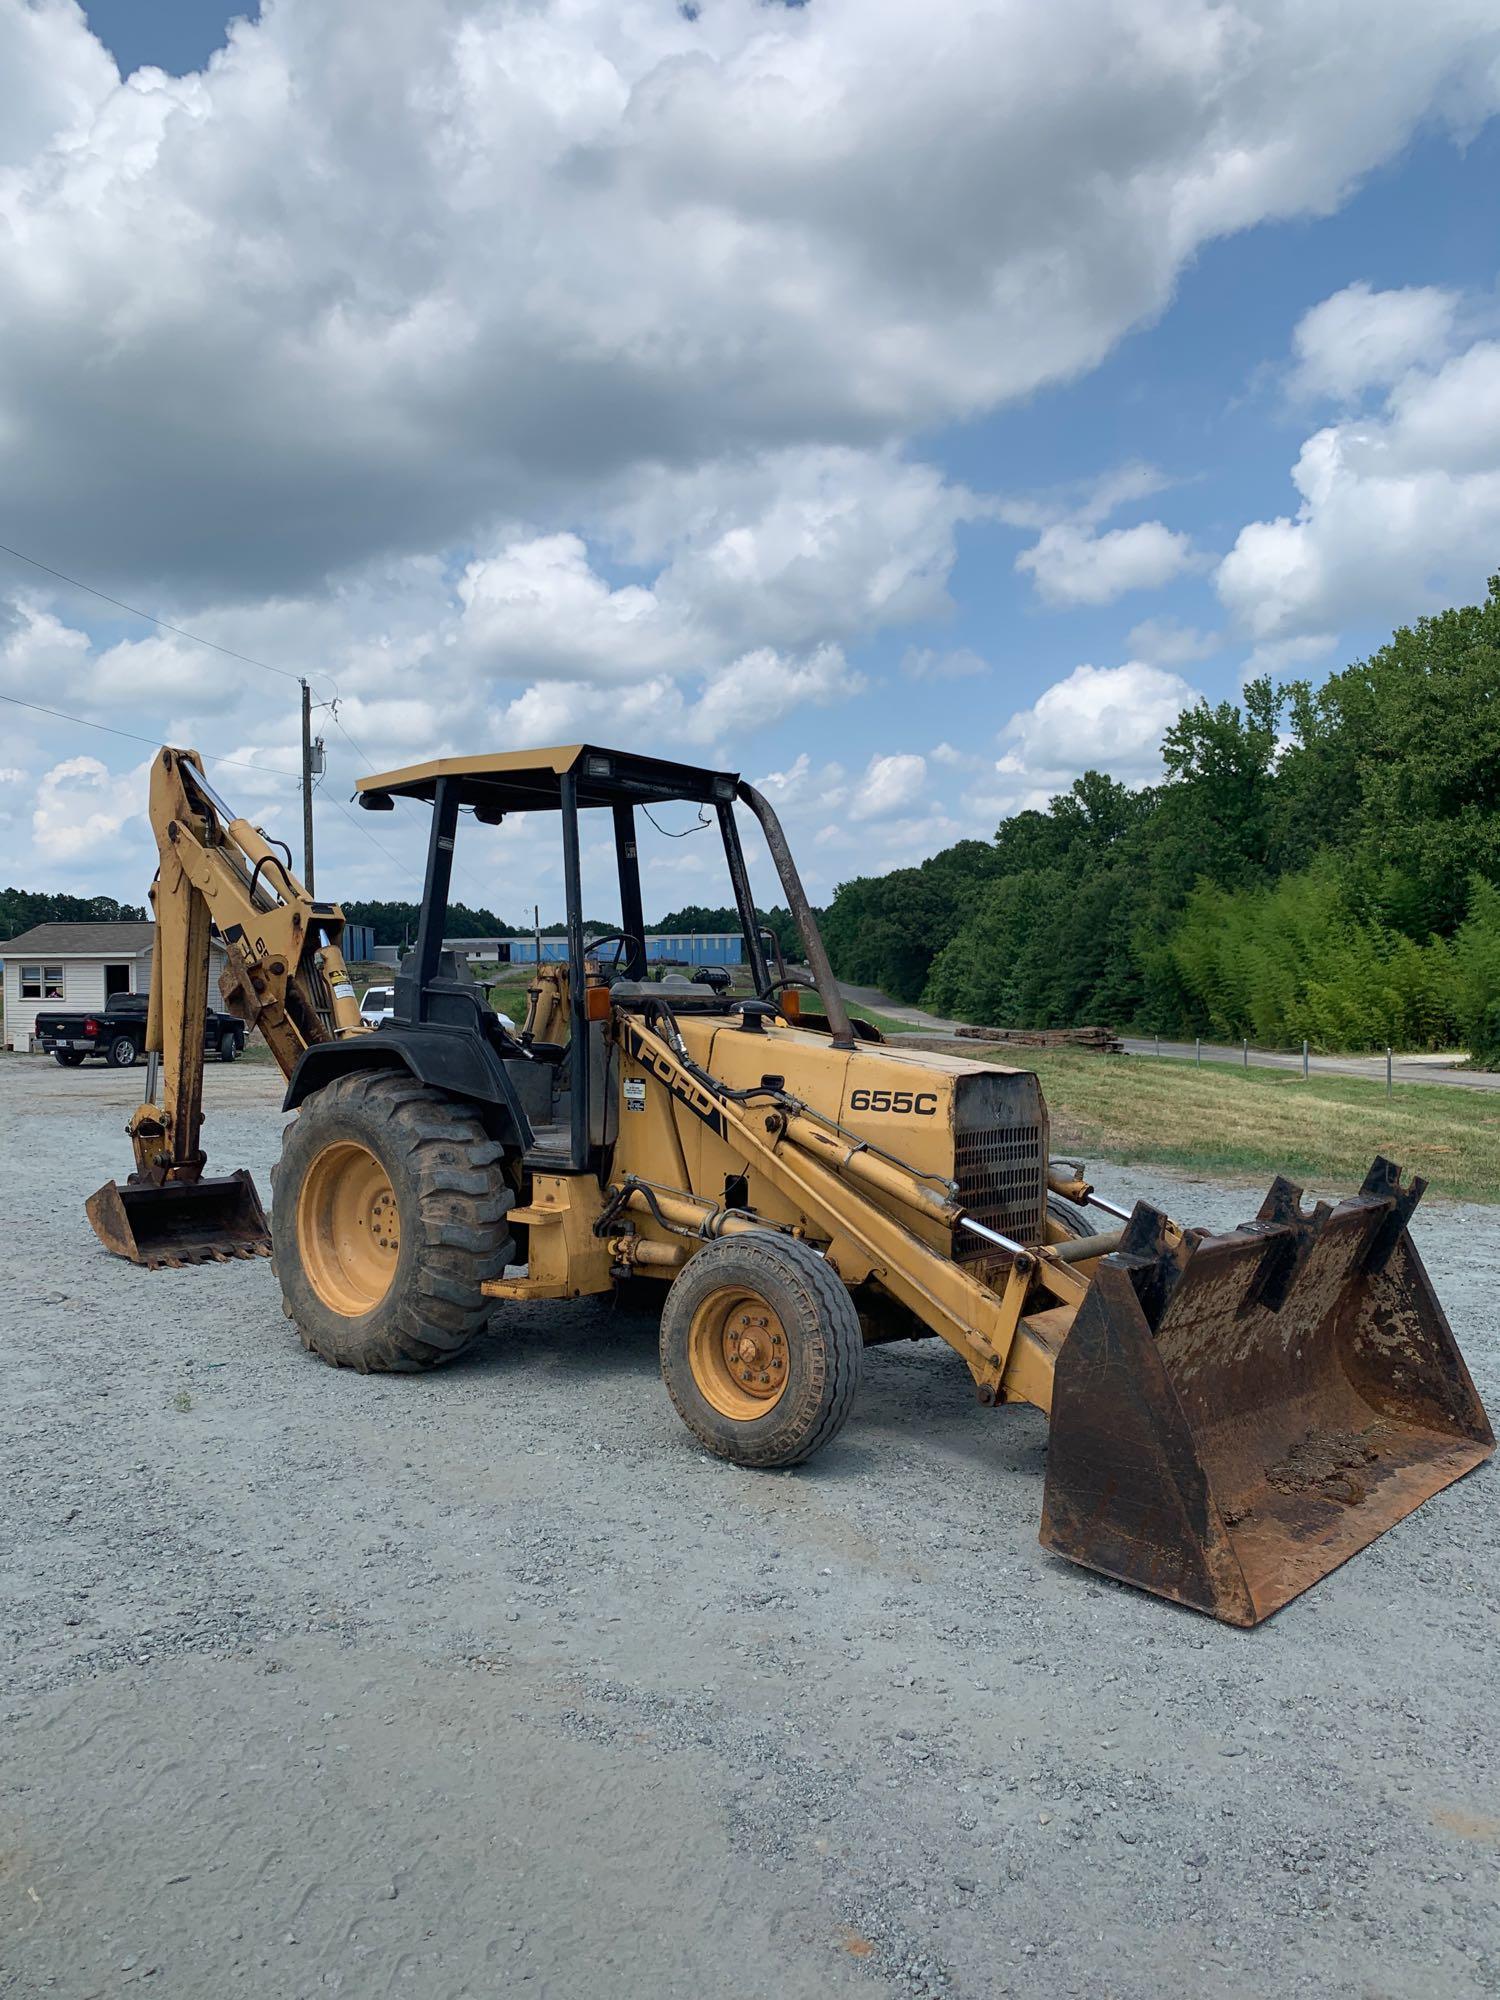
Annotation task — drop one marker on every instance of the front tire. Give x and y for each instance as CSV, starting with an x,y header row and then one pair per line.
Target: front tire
x,y
1070,1218
122,1053
389,1212
229,1047
761,1349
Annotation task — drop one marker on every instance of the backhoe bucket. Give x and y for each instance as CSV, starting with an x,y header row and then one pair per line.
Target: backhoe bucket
x,y
180,1222
1234,1416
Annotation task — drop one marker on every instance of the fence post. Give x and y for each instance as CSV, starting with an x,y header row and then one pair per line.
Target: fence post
x,y
1387,1069
1304,1059
1247,1052
1198,1051
1158,1045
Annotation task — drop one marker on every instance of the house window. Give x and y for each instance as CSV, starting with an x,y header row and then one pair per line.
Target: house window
x,y
42,982
116,980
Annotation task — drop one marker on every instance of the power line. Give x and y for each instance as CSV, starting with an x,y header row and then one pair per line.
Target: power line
x,y
229,653
213,757
360,752
152,742
366,760
135,611
405,866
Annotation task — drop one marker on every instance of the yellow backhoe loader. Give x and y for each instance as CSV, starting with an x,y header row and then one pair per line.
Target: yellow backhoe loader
x,y
1231,1415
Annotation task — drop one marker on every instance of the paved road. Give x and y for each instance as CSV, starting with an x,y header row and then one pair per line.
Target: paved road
x,y
1406,1069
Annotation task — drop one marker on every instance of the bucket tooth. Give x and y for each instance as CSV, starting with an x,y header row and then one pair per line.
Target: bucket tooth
x,y
1290,1235
1233,1416
1384,1181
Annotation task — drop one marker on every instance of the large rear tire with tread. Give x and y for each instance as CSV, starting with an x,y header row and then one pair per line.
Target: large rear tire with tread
x,y
389,1211
761,1349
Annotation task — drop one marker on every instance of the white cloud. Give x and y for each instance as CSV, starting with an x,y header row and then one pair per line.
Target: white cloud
x,y
1072,565
956,760
1361,339
538,611
1164,642
1399,513
80,805
725,706
764,685
624,320
39,651
800,787
1088,501
1108,719
795,545
63,75
924,663
1278,657
890,784
11,774
384,274
794,550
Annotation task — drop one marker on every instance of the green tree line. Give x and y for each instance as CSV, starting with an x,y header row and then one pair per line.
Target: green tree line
x,y
1320,862
396,923
22,909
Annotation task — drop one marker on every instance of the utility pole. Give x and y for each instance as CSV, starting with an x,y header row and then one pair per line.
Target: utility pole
x,y
307,837
312,767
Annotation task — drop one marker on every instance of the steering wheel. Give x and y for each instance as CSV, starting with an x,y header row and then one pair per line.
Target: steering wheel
x,y
621,940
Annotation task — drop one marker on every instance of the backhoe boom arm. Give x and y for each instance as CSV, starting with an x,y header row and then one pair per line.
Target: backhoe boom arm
x,y
286,976
286,973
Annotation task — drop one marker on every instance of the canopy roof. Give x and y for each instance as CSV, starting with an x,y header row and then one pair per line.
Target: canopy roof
x,y
531,780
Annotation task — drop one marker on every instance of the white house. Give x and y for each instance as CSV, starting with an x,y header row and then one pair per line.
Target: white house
x,y
78,966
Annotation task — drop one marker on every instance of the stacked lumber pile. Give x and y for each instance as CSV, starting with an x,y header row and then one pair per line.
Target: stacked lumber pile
x,y
1104,1041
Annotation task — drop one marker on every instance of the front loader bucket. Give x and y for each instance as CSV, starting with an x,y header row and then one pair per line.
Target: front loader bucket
x,y
1234,1416
181,1222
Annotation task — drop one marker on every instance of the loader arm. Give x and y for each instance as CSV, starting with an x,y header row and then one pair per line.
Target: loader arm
x,y
829,1175
1230,1416
286,976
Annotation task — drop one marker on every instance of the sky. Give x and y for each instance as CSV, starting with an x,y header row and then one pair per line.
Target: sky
x,y
908,407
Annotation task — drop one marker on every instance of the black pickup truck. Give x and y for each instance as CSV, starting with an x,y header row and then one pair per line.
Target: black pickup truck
x,y
117,1032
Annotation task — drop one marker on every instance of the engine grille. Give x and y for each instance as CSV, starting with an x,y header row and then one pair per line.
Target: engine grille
x,y
1001,1176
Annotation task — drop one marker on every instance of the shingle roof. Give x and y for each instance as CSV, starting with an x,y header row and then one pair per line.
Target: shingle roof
x,y
92,940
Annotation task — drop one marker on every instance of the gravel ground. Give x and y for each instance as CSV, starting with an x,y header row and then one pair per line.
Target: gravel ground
x,y
490,1682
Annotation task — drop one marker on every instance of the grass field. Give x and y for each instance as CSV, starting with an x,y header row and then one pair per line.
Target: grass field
x,y
887,1025
1322,1133
1223,1119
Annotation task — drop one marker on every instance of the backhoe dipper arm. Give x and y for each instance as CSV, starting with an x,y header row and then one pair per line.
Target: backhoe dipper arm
x,y
286,973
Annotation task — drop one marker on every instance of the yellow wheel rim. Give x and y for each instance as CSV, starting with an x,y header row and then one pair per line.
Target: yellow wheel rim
x,y
737,1350
348,1228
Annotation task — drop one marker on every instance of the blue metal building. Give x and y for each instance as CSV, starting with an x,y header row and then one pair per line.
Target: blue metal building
x,y
662,948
